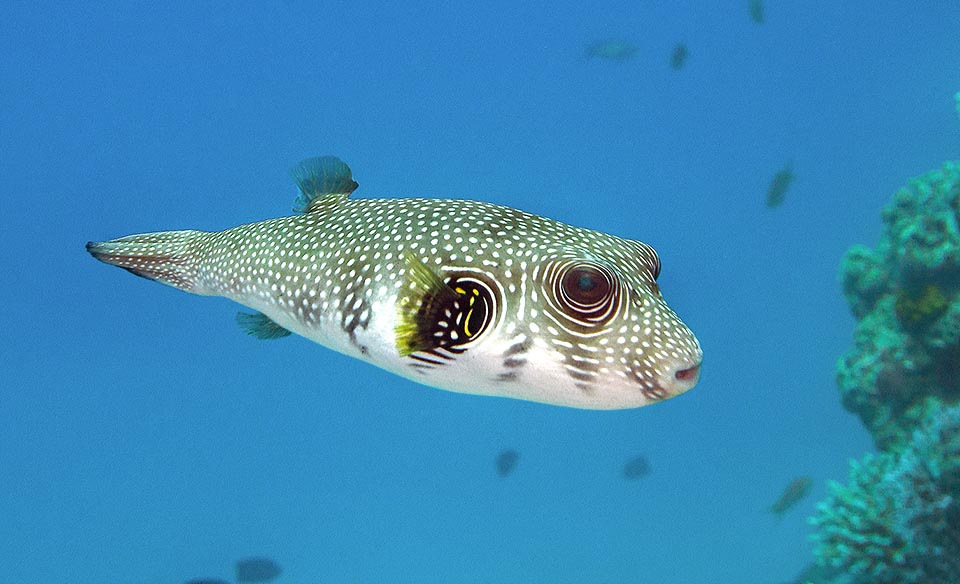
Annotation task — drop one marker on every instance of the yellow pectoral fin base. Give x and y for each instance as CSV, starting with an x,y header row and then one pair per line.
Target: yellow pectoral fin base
x,y
436,314
420,305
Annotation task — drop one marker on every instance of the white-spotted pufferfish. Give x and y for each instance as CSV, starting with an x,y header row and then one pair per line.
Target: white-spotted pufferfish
x,y
461,295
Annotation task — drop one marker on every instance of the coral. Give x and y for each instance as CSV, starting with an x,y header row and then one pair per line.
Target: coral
x,y
905,294
898,518
917,310
864,279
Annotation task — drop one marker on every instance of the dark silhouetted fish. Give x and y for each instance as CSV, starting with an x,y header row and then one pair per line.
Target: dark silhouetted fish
x,y
636,468
795,491
756,11
779,185
612,50
507,461
257,570
679,56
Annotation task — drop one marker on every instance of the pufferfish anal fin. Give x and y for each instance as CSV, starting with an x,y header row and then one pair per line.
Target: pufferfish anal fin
x,y
260,326
433,314
324,181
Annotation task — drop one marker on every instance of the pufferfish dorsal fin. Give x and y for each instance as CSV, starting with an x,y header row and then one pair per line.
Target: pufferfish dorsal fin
x,y
324,181
433,314
259,325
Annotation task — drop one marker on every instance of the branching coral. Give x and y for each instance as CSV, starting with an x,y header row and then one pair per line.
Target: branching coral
x,y
897,521
906,297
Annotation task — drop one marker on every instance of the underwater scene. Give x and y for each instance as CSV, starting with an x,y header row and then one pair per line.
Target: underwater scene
x,y
616,292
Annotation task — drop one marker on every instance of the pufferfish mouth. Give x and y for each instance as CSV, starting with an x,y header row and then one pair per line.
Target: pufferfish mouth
x,y
685,379
672,383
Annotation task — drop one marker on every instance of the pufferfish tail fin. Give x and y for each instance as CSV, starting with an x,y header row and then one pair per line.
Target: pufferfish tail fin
x,y
168,257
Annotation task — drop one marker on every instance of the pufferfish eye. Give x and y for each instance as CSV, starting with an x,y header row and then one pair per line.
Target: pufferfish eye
x,y
587,293
581,294
585,285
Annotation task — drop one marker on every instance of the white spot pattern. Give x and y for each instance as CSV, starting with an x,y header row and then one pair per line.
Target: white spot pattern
x,y
335,273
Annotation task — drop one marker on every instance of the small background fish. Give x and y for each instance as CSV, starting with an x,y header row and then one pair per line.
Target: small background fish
x,y
636,468
756,10
611,50
257,570
507,462
793,493
779,185
679,56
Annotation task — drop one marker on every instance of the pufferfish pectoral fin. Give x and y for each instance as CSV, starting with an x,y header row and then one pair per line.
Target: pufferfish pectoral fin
x,y
259,325
323,181
423,295
434,314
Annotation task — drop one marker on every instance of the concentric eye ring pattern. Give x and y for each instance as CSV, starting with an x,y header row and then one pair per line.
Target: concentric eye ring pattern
x,y
584,293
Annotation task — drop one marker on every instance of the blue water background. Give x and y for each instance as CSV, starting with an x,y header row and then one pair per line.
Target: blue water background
x,y
145,439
